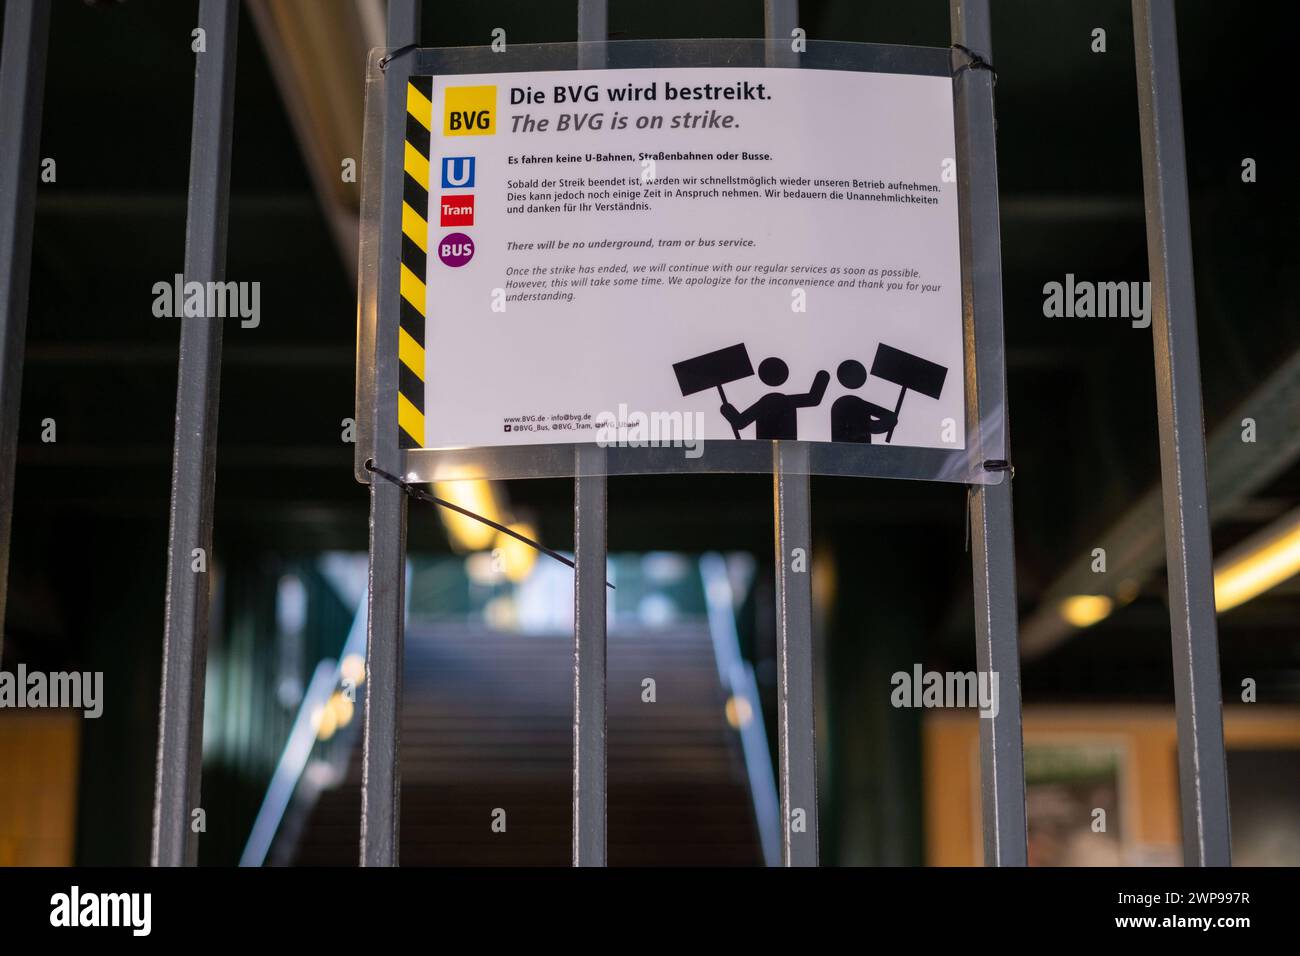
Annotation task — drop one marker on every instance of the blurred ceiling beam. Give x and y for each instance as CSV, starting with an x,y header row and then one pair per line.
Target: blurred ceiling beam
x,y
317,52
1135,544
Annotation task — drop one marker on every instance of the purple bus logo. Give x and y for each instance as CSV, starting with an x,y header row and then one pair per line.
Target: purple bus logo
x,y
456,249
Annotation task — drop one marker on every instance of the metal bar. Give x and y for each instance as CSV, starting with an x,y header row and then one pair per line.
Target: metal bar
x,y
1202,764
795,713
381,762
22,89
593,27
194,456
780,17
589,648
792,500
590,553
997,652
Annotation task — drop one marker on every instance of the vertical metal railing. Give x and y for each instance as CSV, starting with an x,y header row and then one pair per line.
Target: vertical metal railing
x,y
194,454
381,761
997,649
1201,754
590,521
1202,763
22,89
589,647
795,712
792,507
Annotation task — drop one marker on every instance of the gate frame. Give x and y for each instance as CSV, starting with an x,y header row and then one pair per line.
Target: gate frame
x,y
1198,694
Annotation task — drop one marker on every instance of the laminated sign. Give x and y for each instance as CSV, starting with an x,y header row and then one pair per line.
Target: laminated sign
x,y
650,255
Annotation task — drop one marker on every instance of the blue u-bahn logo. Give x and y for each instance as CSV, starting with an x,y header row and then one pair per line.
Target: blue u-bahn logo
x,y
457,172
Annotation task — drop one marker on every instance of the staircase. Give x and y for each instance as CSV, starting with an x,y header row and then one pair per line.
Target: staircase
x,y
487,724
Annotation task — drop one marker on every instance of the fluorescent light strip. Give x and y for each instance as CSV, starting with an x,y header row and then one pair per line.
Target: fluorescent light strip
x,y
1258,564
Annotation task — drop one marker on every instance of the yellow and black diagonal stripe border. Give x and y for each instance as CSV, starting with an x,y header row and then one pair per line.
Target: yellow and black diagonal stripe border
x,y
415,249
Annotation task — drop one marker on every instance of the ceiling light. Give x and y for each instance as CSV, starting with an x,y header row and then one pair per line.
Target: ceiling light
x,y
1261,562
474,495
1085,610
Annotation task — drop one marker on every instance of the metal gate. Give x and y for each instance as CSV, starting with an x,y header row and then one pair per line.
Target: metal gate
x,y
1202,764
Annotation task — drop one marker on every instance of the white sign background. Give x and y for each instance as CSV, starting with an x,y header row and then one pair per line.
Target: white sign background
x,y
615,346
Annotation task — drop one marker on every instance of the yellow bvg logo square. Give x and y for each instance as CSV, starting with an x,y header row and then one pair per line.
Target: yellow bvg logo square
x,y
469,111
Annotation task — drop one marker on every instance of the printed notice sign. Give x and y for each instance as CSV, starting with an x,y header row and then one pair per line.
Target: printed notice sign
x,y
728,253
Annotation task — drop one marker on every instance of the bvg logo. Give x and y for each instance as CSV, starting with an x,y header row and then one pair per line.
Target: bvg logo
x,y
469,111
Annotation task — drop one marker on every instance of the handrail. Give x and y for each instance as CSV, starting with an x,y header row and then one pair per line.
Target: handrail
x,y
298,748
737,676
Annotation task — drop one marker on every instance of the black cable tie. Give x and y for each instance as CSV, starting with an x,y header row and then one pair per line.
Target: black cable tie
x,y
999,464
385,60
419,494
973,62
